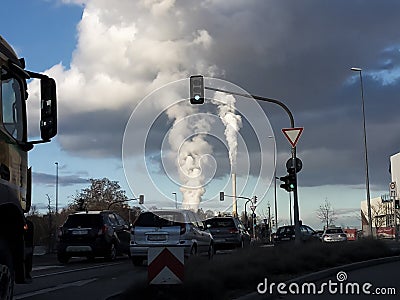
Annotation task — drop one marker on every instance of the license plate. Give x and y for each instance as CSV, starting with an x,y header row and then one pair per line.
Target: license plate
x,y
219,240
79,232
285,239
157,237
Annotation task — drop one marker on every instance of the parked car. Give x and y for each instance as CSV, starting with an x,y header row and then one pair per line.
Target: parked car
x,y
287,233
334,234
228,232
93,233
176,227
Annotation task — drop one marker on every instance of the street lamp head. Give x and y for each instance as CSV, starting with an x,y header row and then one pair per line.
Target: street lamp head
x,y
356,69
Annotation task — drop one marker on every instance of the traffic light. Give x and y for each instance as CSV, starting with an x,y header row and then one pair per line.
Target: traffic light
x,y
397,204
289,182
221,196
141,199
196,89
254,199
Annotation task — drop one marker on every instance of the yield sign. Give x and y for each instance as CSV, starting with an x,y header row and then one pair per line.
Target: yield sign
x,y
293,134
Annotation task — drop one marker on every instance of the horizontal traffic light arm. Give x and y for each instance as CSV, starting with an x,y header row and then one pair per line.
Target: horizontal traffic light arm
x,y
281,104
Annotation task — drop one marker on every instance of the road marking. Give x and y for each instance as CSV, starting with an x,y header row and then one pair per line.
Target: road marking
x,y
76,270
45,268
55,288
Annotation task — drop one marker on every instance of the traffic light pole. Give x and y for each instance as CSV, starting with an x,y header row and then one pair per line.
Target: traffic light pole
x,y
289,113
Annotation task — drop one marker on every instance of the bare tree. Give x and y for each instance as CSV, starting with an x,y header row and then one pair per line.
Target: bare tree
x,y
326,213
100,195
379,214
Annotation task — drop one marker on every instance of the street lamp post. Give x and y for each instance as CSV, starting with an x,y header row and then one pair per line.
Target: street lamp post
x,y
359,70
56,163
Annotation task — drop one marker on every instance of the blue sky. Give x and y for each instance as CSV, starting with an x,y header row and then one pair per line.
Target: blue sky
x,y
107,56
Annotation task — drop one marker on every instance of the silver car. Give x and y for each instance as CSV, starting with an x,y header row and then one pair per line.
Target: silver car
x,y
335,234
177,227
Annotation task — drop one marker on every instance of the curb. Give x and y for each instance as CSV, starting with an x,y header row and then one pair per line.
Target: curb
x,y
312,277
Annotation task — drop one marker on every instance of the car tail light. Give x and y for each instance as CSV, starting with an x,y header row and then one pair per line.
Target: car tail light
x,y
233,230
103,230
183,228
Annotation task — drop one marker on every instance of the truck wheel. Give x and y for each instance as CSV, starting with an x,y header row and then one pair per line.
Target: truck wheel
x,y
6,271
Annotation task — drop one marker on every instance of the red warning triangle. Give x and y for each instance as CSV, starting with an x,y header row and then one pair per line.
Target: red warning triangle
x,y
293,134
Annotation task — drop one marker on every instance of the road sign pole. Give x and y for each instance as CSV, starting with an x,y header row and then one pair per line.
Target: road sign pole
x,y
296,201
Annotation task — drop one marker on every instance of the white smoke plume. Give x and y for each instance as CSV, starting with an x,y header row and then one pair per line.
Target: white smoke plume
x,y
232,122
191,150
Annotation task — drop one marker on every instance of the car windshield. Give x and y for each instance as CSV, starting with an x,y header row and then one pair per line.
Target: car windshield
x,y
83,221
335,230
161,219
217,223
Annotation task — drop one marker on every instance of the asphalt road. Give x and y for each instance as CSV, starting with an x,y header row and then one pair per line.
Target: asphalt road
x,y
80,279
379,281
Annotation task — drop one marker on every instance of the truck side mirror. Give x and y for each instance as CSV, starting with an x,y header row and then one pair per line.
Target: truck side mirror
x,y
48,112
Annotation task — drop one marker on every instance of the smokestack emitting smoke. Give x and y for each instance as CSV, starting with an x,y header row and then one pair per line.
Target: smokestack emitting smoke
x,y
232,122
187,141
234,204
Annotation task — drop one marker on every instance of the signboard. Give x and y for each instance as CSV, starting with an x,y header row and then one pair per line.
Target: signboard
x,y
351,234
290,165
385,232
293,134
392,187
165,265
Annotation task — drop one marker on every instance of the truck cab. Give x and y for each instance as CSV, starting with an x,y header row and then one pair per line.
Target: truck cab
x,y
15,176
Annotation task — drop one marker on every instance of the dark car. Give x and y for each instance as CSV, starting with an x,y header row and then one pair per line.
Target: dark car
x,y
286,233
228,232
91,234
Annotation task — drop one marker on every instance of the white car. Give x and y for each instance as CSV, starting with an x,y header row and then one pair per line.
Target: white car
x,y
334,234
178,227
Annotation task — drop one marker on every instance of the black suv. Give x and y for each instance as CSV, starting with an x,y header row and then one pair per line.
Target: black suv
x,y
227,232
93,233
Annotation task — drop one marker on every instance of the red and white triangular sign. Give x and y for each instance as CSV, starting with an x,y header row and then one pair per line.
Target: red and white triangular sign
x,y
293,134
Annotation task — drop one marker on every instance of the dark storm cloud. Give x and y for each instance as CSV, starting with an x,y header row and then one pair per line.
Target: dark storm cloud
x,y
299,52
